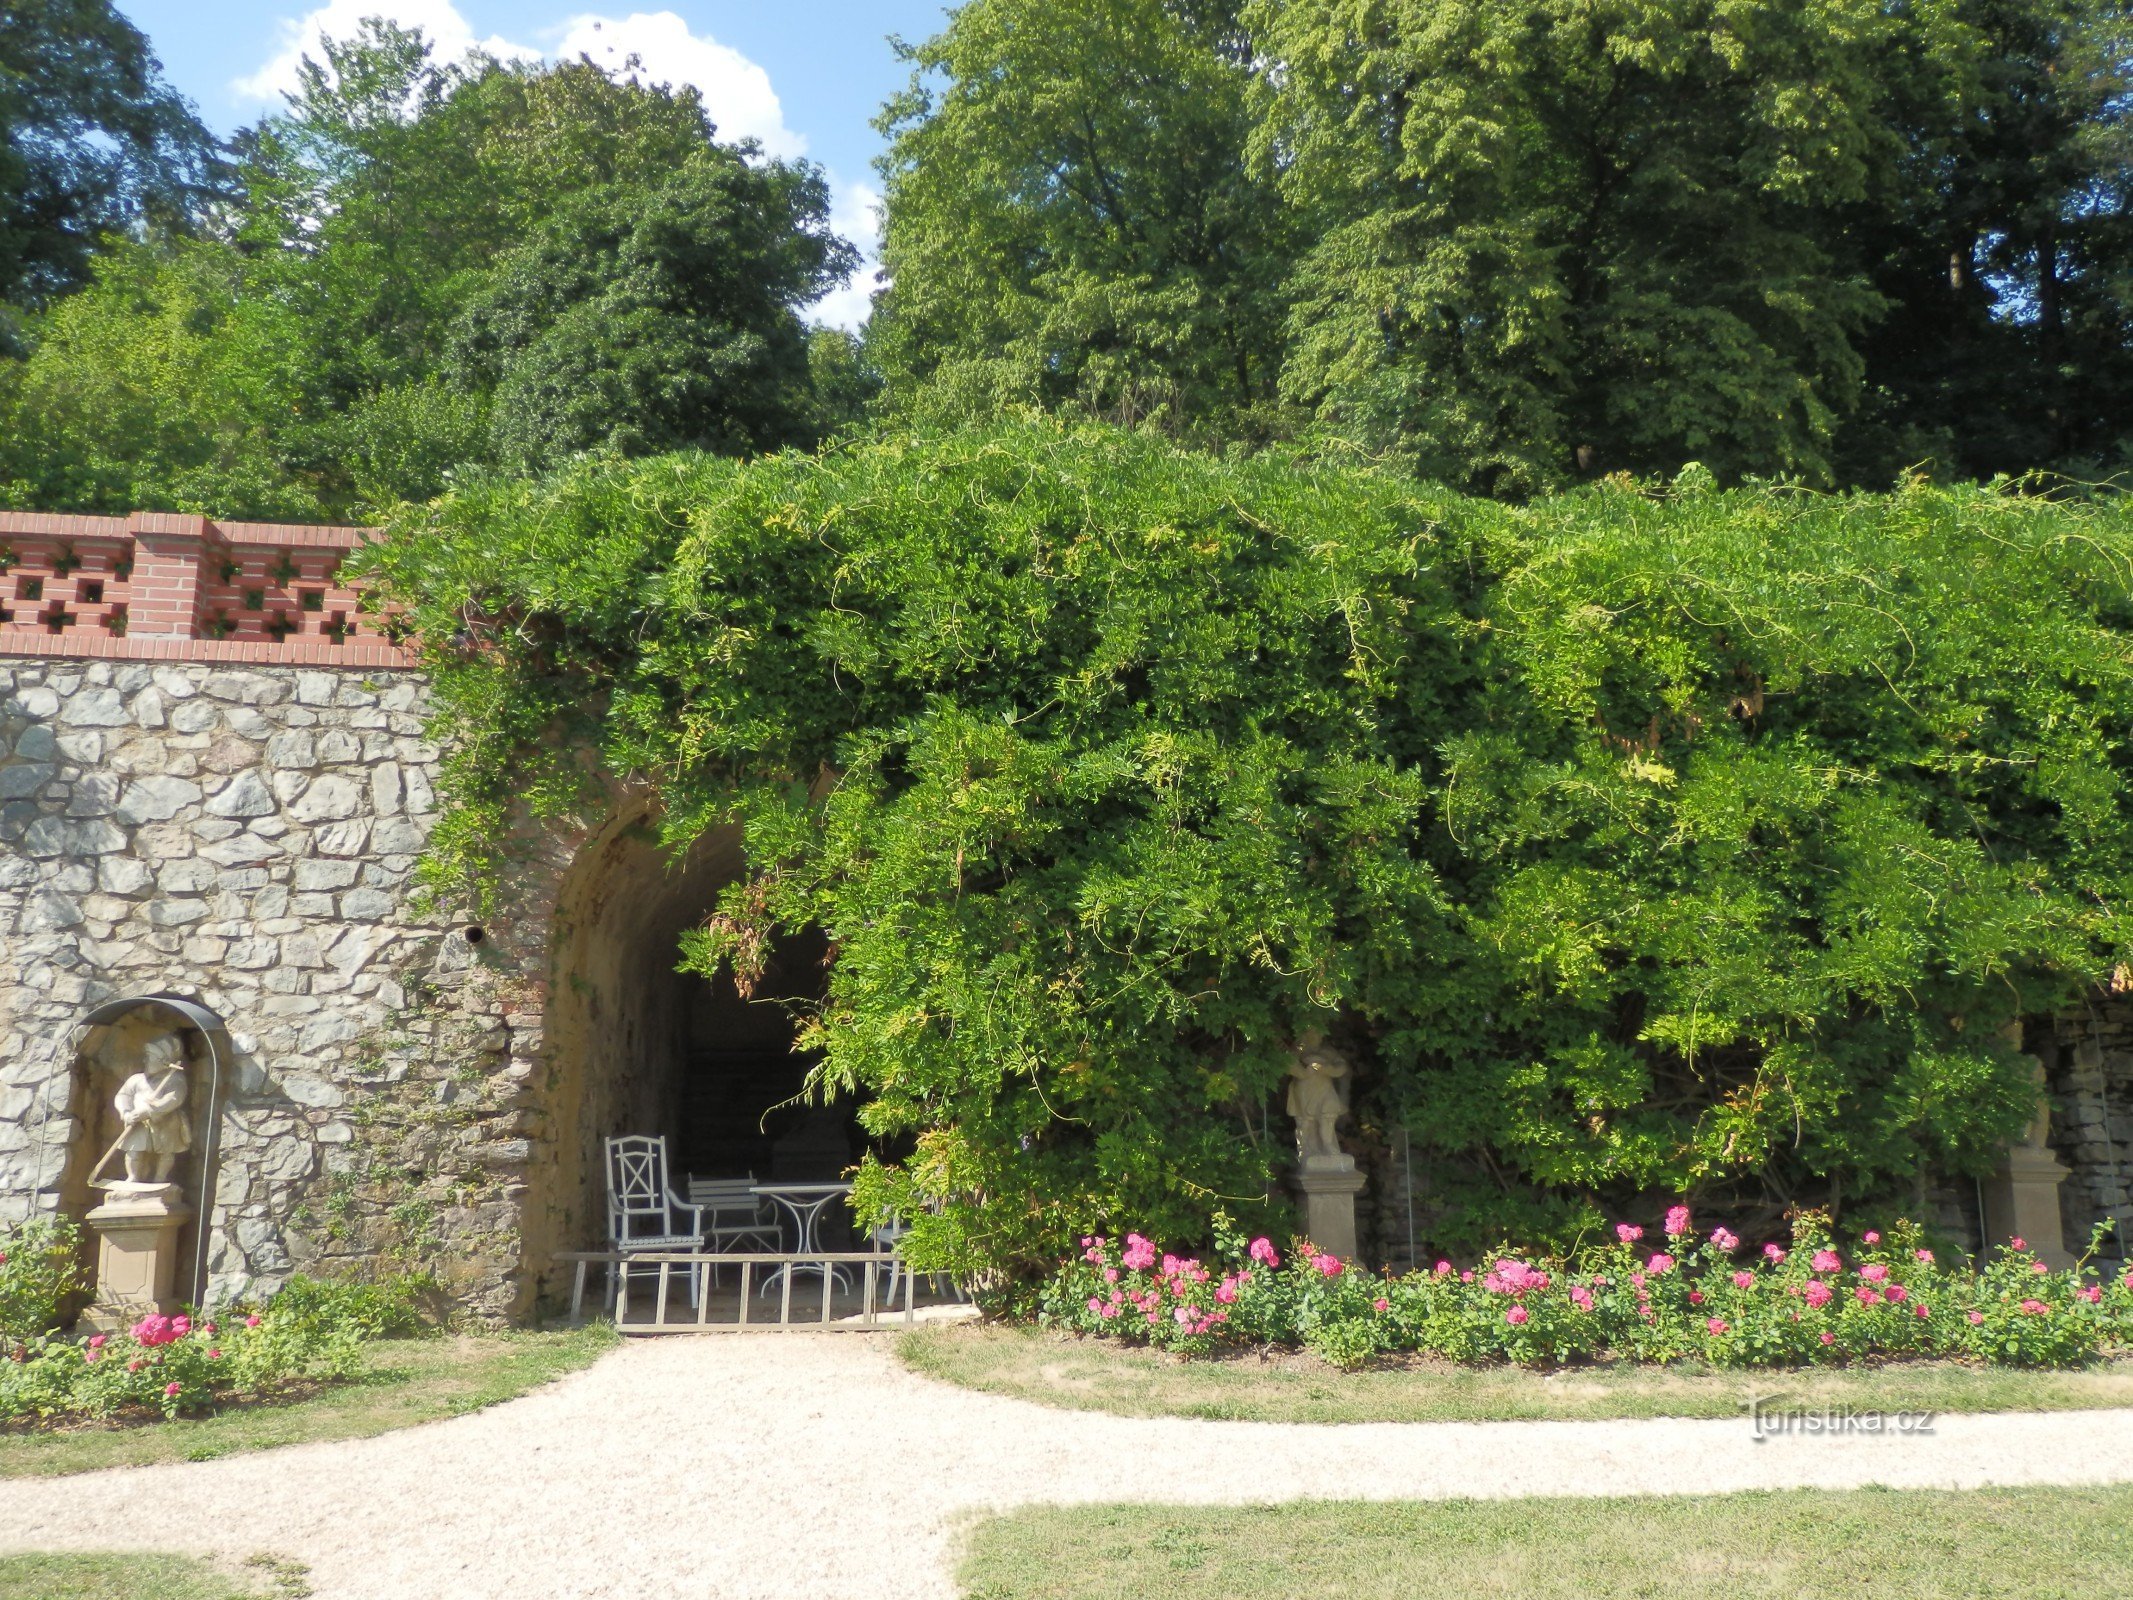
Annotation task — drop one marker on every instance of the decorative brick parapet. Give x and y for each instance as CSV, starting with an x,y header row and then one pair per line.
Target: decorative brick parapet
x,y
166,586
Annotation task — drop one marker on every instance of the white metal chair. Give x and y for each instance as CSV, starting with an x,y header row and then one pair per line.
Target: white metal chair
x,y
643,1212
735,1217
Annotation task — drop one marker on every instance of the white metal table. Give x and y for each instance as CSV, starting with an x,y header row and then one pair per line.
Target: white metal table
x,y
803,1202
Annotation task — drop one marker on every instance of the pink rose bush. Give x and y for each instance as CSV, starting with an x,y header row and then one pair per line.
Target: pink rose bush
x,y
1803,1302
170,1366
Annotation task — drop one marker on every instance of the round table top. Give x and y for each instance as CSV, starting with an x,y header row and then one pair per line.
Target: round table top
x,y
800,1191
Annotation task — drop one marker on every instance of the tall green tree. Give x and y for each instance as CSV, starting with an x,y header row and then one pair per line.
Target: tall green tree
x,y
425,268
1072,221
655,317
92,141
1581,235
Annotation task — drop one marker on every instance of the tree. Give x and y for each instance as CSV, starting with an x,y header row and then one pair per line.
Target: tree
x,y
1572,237
425,268
2005,258
92,141
1071,220
642,318
167,381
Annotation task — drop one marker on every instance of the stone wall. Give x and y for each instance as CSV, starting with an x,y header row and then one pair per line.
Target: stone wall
x,y
246,837
2090,1071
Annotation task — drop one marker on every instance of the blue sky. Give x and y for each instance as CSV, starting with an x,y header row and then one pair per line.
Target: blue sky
x,y
806,77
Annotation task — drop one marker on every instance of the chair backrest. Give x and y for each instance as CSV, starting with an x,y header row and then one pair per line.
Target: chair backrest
x,y
637,1194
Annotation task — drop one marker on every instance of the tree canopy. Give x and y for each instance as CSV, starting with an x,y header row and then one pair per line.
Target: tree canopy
x,y
420,268
92,142
1517,246
1633,843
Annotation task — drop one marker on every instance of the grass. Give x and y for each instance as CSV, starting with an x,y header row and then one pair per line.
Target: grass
x,y
2036,1544
408,1381
130,1577
1085,1375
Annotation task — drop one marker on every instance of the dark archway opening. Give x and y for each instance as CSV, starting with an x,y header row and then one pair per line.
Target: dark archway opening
x,y
639,1047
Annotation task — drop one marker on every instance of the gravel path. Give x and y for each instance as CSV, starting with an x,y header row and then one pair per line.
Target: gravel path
x,y
800,1466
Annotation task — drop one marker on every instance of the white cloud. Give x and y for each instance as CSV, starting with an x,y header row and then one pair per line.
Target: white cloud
x,y
450,36
855,213
736,91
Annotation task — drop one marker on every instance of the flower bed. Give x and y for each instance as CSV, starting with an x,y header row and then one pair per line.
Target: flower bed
x,y
1684,1296
311,1332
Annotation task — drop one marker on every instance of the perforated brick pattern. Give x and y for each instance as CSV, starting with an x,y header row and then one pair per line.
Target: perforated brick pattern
x,y
162,586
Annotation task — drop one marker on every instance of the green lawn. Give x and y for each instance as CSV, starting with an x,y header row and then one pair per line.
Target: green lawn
x,y
2035,1544
1084,1375
409,1381
147,1577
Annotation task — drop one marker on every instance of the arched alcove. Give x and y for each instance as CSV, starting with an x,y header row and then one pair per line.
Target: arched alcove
x,y
635,1046
106,1048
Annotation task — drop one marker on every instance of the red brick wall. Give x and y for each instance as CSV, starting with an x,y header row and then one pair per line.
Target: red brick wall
x,y
164,586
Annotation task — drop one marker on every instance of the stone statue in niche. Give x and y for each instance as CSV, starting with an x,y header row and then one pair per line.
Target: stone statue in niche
x,y
1318,1099
152,1105
138,1226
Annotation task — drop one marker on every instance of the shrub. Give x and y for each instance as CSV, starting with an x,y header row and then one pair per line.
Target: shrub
x,y
1684,1296
39,1270
394,1307
1648,838
172,1365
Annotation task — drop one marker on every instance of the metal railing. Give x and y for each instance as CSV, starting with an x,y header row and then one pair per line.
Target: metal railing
x,y
859,1313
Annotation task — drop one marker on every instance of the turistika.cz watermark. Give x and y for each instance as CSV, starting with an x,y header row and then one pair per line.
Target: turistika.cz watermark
x,y
1769,1419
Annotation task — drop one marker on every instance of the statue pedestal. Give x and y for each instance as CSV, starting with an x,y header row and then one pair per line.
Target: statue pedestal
x,y
136,1232
1328,1189
2022,1202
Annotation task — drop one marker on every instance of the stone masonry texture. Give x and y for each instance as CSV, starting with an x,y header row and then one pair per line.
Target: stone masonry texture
x,y
246,837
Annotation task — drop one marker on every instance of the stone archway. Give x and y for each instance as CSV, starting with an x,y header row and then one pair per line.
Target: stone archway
x,y
632,1045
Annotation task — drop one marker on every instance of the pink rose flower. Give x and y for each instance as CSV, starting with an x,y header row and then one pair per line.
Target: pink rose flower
x,y
1743,1280
1866,1296
1443,1269
1263,1251
1829,1338
2092,1293
1659,1263
1466,1277
1185,1314
1898,1294
1827,1261
1328,1266
1976,1317
1716,1326
1725,1240
251,1322
2035,1308
1920,1311
1226,1291
1140,1254
1677,1221
170,1389
1515,1316
1773,1253
1695,1297
2038,1268
97,1341
1580,1298
1870,1237
1819,1295
1381,1304
1873,1272
1096,1305
1628,1233
214,1355
2019,1244
1925,1256
1110,1274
